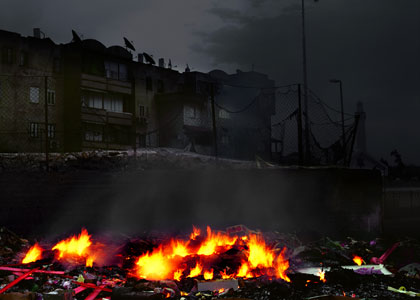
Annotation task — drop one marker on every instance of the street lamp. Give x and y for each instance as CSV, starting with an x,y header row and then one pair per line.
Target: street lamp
x,y
342,115
305,82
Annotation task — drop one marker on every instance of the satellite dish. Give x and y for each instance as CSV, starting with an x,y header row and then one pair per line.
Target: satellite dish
x,y
76,37
149,59
129,45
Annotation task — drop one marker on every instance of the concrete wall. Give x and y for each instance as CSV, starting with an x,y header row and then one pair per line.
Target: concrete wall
x,y
328,201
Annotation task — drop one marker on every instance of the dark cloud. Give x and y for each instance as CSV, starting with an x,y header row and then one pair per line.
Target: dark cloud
x,y
373,46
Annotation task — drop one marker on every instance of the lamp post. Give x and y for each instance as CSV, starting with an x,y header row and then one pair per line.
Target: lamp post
x,y
342,115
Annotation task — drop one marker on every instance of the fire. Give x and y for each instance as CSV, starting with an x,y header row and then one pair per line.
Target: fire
x,y
196,232
178,275
179,248
155,266
34,254
208,275
358,260
282,264
225,275
169,260
259,254
76,247
244,271
215,241
322,275
89,261
196,270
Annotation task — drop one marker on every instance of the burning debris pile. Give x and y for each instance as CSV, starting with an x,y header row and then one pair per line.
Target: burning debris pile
x,y
237,264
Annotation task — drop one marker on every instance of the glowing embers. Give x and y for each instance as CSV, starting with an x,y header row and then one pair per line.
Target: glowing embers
x,y
200,256
33,254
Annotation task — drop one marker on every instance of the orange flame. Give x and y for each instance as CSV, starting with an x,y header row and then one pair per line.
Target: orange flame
x,y
154,266
196,270
282,264
215,241
34,254
178,275
165,261
322,276
259,254
179,248
76,247
196,232
225,275
358,260
208,275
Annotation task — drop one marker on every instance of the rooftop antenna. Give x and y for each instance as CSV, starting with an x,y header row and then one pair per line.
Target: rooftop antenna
x,y
129,44
76,37
149,58
170,64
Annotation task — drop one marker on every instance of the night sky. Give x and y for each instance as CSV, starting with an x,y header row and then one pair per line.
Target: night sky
x,y
373,46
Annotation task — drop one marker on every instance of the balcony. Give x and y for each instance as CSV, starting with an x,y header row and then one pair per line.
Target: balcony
x,y
106,84
101,116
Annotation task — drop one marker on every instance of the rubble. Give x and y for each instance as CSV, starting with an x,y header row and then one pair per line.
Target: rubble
x,y
144,158
324,269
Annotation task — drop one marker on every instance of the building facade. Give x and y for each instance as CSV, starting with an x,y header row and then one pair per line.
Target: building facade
x,y
83,95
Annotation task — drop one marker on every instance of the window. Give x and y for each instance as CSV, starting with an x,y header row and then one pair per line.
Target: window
x,y
51,97
111,69
141,111
160,86
149,83
8,55
122,72
223,114
23,58
51,131
34,94
34,130
114,103
95,100
93,132
115,70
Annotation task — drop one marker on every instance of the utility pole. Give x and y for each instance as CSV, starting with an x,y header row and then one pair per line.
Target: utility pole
x,y
299,124
213,115
305,87
47,144
343,133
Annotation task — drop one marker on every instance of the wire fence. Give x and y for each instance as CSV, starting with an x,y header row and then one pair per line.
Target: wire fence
x,y
233,121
